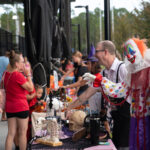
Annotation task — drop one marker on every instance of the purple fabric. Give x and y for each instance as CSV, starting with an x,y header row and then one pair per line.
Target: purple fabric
x,y
41,133
93,59
133,133
67,131
91,56
92,52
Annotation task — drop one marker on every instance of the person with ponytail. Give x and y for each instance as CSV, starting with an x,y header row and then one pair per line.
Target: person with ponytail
x,y
16,107
79,70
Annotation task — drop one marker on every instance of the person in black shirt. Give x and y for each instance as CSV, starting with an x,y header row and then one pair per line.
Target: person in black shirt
x,y
79,70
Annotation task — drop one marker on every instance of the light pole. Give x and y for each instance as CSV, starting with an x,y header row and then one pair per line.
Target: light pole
x,y
79,39
87,26
107,19
0,21
15,17
113,29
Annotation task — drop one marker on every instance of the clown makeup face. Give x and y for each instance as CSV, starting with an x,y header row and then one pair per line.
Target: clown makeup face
x,y
131,52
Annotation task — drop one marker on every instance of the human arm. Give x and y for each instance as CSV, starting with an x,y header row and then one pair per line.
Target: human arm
x,y
63,72
80,72
30,96
79,83
107,127
28,85
67,73
82,98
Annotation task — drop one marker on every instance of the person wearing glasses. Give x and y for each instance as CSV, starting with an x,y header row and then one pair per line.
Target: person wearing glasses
x,y
116,72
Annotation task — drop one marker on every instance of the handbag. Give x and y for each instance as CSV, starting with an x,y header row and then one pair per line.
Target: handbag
x,y
3,93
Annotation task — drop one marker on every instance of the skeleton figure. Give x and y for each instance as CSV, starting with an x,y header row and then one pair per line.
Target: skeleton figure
x,y
53,129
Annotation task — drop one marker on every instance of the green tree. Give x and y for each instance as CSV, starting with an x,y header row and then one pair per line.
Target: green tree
x,y
141,21
6,17
94,29
81,19
126,25
20,13
8,23
122,26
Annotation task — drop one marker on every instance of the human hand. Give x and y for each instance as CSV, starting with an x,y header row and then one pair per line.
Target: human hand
x,y
89,78
62,78
65,87
27,70
68,114
107,127
42,101
95,79
83,82
62,87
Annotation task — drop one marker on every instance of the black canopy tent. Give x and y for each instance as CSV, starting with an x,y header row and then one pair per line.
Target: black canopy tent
x,y
45,35
10,1
47,32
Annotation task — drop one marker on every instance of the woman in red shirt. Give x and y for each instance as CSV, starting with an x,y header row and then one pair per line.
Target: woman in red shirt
x,y
17,109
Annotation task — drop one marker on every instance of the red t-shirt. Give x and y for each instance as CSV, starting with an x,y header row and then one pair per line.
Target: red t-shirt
x,y
16,100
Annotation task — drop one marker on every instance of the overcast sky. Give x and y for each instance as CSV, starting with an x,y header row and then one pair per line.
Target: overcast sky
x,y
128,4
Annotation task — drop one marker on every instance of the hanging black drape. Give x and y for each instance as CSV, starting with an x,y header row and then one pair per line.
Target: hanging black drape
x,y
45,35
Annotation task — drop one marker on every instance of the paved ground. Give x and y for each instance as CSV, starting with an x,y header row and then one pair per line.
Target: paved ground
x,y
3,133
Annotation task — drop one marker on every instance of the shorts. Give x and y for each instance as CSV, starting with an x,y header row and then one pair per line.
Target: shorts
x,y
21,114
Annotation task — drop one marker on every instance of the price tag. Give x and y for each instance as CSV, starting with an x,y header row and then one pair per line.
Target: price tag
x,y
55,80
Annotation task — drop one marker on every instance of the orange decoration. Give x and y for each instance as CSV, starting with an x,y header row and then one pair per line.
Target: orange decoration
x,y
111,90
104,81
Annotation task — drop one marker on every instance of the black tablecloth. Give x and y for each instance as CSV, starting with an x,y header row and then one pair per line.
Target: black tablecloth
x,y
68,144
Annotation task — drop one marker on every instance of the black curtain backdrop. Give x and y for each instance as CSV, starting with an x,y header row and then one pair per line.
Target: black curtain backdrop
x,y
44,30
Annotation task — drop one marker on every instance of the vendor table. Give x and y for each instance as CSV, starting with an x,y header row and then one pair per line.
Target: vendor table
x,y
68,144
103,147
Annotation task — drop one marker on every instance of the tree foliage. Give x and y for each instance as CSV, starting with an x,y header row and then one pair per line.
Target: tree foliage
x,y
126,24
141,21
8,23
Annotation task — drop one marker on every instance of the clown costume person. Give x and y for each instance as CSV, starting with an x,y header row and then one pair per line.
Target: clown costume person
x,y
137,85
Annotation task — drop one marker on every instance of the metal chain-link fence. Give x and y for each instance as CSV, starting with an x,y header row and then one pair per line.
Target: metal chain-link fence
x,y
8,42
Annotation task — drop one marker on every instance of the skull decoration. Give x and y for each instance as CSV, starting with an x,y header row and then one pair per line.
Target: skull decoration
x,y
76,120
